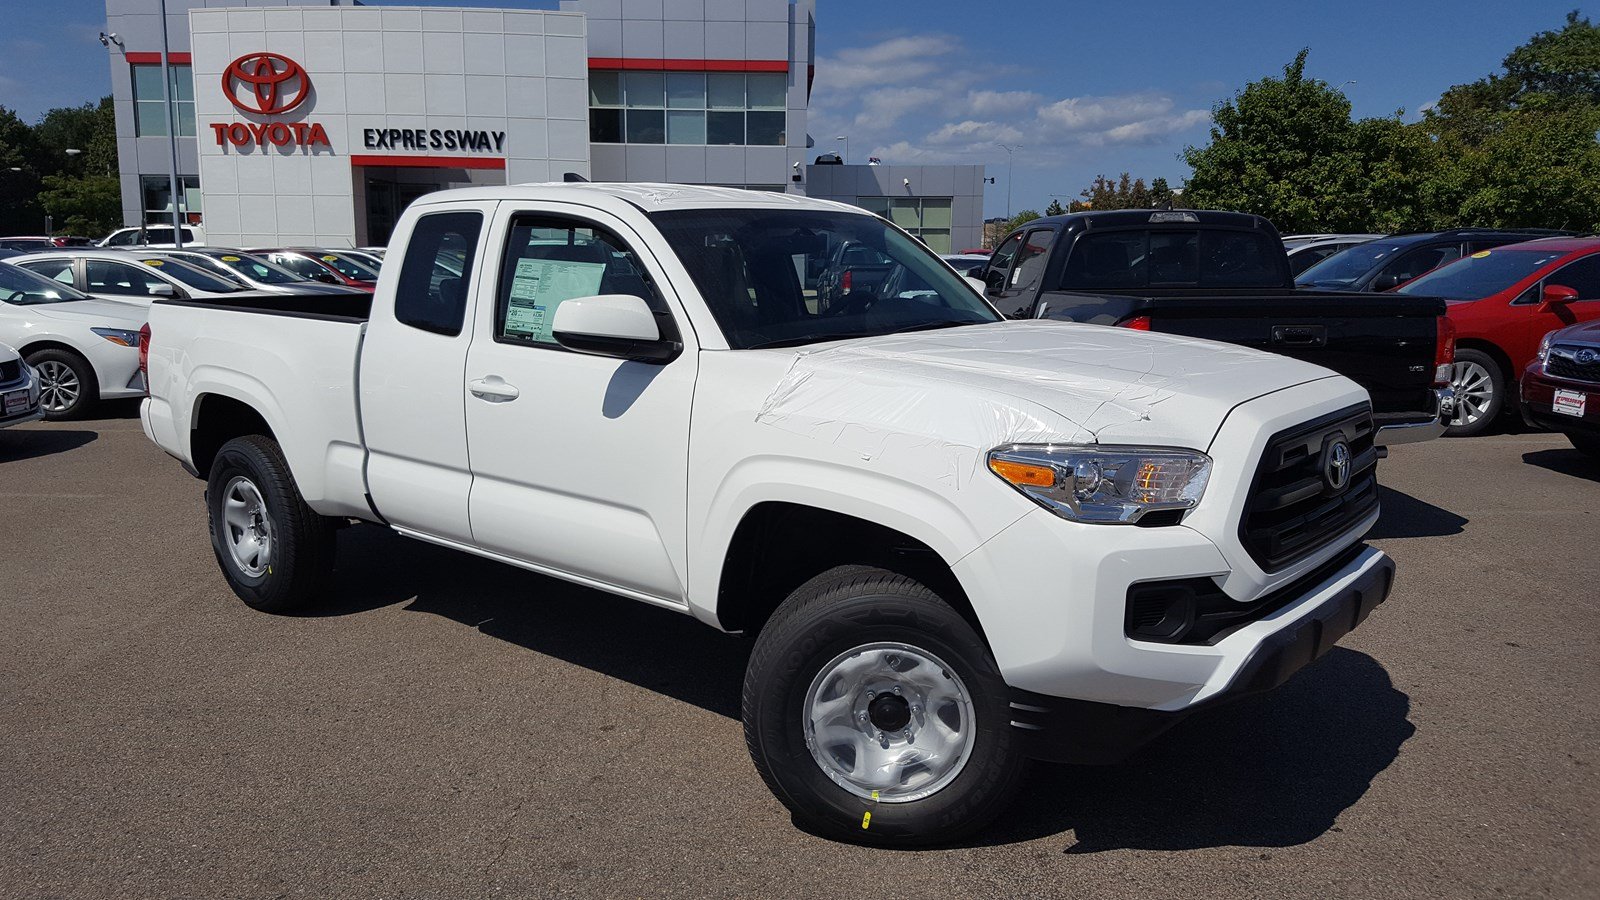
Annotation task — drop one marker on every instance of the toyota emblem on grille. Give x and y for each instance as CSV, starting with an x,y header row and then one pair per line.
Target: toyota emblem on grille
x,y
1336,465
1586,356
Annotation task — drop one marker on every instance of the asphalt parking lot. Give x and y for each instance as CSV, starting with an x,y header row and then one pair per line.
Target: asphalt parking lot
x,y
453,728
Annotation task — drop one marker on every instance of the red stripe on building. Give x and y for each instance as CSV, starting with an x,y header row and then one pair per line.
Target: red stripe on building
x,y
142,58
689,65
430,162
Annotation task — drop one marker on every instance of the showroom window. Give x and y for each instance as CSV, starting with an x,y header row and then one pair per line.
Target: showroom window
x,y
157,193
149,103
699,108
927,218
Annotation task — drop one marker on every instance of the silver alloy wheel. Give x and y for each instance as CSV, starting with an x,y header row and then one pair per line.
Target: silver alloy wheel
x,y
59,386
249,528
889,722
1474,388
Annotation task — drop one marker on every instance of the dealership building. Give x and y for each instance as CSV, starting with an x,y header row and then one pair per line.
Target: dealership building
x,y
317,123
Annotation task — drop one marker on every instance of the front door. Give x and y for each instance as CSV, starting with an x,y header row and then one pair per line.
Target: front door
x,y
1582,276
579,462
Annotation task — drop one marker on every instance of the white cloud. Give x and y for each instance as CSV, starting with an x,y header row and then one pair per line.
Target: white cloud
x,y
970,131
996,103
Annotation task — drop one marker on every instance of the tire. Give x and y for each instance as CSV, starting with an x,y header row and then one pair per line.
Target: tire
x,y
851,631
276,553
68,388
1585,444
1480,393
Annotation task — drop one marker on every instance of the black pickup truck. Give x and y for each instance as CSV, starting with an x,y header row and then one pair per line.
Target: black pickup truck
x,y
1225,277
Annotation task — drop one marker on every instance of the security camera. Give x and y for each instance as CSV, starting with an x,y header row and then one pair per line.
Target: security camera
x,y
797,165
907,182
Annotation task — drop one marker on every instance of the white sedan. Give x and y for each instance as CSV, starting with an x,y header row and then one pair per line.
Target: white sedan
x,y
19,389
135,276
82,350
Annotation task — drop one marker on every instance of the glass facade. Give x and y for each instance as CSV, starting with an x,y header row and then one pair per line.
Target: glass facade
x,y
699,108
927,218
149,102
157,193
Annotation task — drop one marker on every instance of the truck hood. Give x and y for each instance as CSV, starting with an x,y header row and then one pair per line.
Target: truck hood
x,y
1035,381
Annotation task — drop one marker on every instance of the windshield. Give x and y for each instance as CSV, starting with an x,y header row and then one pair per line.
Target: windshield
x,y
1481,274
776,278
251,267
1348,265
346,266
190,276
20,287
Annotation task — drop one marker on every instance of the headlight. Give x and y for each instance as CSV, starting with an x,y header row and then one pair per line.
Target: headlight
x,y
118,336
1544,349
1117,485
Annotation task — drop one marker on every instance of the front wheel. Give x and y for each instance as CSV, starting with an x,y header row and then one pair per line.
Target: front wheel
x,y
274,550
68,388
875,713
1480,393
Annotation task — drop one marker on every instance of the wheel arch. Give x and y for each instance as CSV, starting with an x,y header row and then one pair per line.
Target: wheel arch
x,y
217,418
1502,359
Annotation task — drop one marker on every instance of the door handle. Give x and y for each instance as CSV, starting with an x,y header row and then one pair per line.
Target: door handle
x,y
493,388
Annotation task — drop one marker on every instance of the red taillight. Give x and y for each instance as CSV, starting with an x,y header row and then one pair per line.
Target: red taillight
x,y
1137,323
1444,353
144,355
844,282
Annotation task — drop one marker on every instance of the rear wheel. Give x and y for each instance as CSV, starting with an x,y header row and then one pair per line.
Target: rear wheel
x,y
275,551
1480,390
68,388
875,713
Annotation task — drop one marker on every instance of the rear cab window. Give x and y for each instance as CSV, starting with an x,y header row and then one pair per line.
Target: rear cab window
x,y
431,294
1208,257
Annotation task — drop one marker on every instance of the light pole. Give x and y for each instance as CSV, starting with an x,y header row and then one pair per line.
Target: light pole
x,y
846,139
172,131
1009,149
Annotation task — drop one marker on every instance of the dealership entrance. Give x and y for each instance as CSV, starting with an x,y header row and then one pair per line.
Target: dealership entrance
x,y
385,191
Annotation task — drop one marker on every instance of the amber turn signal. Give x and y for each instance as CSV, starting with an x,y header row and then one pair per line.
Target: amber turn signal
x,y
1023,474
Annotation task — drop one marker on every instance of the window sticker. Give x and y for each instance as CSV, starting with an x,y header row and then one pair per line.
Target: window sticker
x,y
152,262
539,286
230,259
1480,254
330,259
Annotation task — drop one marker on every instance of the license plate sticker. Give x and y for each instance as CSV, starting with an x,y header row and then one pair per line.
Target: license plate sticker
x,y
1570,403
16,402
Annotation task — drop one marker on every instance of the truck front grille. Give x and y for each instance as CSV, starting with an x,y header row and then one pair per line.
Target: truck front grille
x,y
1298,502
1563,363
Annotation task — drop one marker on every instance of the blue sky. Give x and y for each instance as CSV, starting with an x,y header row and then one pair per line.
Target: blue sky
x,y
1085,87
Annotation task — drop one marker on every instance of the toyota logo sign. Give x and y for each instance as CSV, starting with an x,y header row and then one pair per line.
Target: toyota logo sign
x,y
265,83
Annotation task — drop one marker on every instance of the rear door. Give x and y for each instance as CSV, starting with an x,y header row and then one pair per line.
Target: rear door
x,y
579,462
413,411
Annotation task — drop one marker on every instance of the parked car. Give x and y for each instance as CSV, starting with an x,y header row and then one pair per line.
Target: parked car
x,y
33,244
852,268
129,275
19,389
374,251
327,266
1561,386
926,533
965,263
1501,302
370,260
253,271
1223,276
84,350
1387,263
153,236
1307,252
975,251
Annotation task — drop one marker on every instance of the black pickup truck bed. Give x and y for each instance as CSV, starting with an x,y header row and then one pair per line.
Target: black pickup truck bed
x,y
1223,277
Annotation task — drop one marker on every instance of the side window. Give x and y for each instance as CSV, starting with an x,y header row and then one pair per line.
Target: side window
x,y
549,261
158,235
998,274
118,278
1582,276
59,269
122,238
1109,260
1418,262
432,291
1031,260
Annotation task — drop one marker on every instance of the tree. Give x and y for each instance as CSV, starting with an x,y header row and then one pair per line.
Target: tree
x,y
1020,219
20,162
1054,209
1124,193
83,204
90,128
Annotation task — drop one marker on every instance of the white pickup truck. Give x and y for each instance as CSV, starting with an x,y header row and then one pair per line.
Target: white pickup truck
x,y
959,542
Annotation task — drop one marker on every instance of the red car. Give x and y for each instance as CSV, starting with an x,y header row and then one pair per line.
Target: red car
x,y
327,266
1561,387
1502,302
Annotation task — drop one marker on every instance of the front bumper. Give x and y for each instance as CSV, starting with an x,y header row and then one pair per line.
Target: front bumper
x,y
33,411
1444,400
1087,732
1538,403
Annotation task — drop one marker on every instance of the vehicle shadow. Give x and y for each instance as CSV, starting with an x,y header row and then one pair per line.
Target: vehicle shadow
x,y
118,409
1566,461
1272,770
1404,516
30,443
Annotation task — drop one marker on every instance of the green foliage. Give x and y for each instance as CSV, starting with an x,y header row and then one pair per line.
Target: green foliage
x,y
1516,148
1055,208
1124,193
19,150
83,204
80,191
1022,218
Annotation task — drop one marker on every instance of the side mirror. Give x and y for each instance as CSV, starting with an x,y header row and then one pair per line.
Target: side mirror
x,y
161,289
1556,295
618,325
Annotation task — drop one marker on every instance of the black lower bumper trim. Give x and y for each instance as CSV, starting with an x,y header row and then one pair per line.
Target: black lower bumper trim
x,y
1059,729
